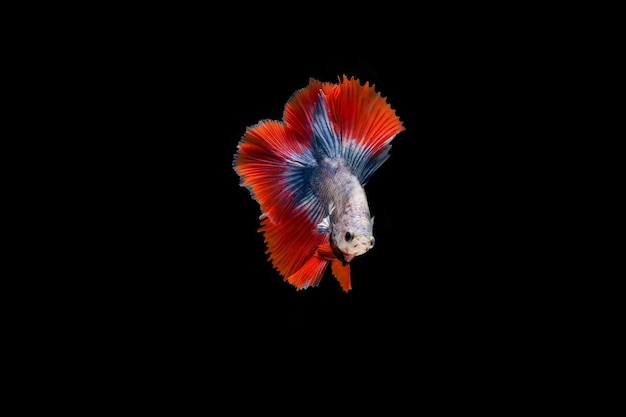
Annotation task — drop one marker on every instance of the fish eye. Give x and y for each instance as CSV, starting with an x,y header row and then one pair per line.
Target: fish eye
x,y
348,236
372,241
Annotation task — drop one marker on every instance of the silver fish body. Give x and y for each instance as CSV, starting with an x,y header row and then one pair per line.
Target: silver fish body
x,y
348,220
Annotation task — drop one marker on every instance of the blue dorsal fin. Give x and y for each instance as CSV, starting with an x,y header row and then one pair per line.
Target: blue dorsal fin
x,y
362,160
326,143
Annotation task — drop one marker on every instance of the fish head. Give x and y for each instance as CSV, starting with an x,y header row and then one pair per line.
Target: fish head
x,y
349,240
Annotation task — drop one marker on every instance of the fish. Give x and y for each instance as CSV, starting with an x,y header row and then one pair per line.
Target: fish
x,y
308,174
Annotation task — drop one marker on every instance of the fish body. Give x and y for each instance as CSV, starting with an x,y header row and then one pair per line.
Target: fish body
x,y
308,173
348,223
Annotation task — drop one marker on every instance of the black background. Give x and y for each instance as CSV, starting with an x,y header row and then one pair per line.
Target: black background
x,y
164,292
456,268
446,253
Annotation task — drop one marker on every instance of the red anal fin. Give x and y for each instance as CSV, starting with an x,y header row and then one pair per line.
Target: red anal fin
x,y
310,274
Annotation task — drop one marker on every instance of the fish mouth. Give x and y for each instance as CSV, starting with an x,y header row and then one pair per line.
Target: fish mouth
x,y
345,258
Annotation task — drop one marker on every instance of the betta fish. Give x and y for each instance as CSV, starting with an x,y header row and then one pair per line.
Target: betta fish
x,y
308,172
